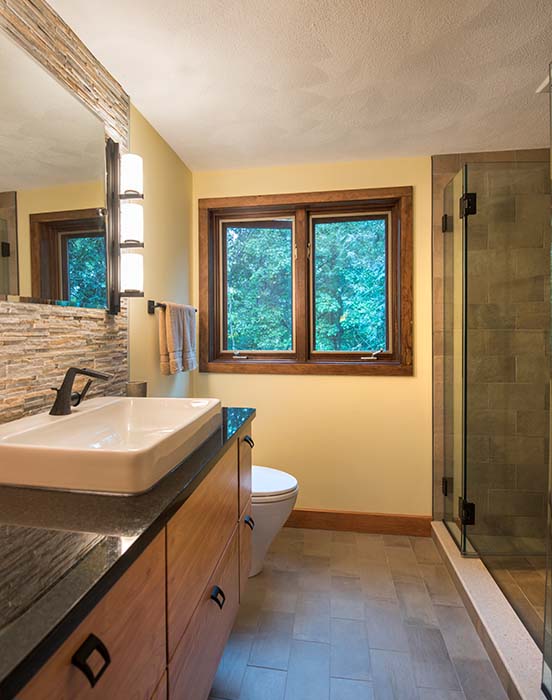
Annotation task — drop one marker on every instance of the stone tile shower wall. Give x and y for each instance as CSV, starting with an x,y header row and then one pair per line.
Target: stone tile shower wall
x,y
39,342
507,339
507,349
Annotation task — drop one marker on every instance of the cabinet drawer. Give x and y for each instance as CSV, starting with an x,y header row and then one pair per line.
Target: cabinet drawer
x,y
130,622
246,458
195,662
196,538
246,538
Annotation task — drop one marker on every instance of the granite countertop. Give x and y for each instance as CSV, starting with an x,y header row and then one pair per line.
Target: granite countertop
x,y
61,552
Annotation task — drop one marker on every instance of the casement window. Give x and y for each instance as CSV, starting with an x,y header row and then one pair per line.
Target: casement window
x,y
317,283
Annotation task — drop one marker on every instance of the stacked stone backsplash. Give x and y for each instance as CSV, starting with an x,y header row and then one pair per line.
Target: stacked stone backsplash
x,y
38,342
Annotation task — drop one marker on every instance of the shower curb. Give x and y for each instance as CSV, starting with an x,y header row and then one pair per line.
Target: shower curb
x,y
515,656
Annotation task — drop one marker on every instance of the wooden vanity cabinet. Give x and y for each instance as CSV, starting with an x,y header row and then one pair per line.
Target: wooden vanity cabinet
x,y
166,621
160,693
245,532
245,443
130,622
196,538
196,659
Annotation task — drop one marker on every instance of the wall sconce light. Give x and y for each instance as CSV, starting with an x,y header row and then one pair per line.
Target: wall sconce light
x,y
125,184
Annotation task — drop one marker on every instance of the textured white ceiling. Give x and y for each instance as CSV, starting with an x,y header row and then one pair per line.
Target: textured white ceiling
x,y
237,83
47,137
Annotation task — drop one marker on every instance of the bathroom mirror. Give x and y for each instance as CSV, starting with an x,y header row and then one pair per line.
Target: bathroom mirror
x,y
52,188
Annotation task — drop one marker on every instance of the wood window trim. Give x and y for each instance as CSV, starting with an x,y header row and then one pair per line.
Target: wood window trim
x,y
397,200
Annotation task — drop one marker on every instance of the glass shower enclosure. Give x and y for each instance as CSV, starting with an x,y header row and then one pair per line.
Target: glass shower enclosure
x,y
547,657
496,322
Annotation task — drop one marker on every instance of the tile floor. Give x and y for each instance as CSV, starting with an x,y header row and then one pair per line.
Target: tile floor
x,y
347,616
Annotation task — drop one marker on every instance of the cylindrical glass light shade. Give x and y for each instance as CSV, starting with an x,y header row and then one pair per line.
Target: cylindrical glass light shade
x,y
132,222
132,270
132,174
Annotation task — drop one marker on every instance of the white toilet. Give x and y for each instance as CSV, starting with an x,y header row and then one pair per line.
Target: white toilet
x,y
273,495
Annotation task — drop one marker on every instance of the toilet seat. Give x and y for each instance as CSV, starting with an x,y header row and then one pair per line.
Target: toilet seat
x,y
272,485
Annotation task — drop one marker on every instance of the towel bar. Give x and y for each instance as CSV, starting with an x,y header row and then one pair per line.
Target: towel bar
x,y
152,305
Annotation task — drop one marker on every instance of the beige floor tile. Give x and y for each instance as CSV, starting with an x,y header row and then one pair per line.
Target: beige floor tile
x,y
272,643
317,543
435,694
309,672
396,541
460,637
350,654
403,564
416,605
393,676
312,618
344,559
385,626
345,689
231,670
479,680
430,659
370,547
263,684
425,550
376,580
439,584
350,607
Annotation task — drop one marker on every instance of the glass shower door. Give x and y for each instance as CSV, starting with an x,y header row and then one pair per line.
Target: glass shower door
x,y
547,660
454,320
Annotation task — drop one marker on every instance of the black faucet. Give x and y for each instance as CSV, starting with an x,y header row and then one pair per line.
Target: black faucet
x,y
66,397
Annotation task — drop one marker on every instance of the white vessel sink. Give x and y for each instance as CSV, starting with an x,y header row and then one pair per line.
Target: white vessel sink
x,y
109,445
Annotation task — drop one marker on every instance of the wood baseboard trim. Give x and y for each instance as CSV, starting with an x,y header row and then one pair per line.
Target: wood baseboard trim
x,y
375,523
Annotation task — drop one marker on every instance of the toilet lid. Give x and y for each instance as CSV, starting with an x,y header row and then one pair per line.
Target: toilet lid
x,y
271,482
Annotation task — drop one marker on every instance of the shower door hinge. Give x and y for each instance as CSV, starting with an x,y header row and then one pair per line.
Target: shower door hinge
x,y
468,204
446,480
445,223
5,249
466,510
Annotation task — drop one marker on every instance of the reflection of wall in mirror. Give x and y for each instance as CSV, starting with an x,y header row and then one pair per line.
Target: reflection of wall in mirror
x,y
82,195
8,235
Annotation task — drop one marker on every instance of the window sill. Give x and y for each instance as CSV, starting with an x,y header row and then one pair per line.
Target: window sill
x,y
376,368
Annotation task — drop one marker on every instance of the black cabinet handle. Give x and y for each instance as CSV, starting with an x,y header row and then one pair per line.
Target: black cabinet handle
x,y
248,520
217,594
249,440
80,658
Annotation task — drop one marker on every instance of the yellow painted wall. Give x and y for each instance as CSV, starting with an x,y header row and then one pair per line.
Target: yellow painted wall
x,y
167,261
354,443
83,195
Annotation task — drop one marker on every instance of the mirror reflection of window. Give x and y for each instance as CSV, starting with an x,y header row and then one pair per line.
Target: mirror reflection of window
x,y
84,269
4,258
68,257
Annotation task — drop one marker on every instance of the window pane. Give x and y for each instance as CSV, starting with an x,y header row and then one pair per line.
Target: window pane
x,y
86,274
259,286
350,286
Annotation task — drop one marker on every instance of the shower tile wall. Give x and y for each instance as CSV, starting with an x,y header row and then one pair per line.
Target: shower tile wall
x,y
507,354
528,315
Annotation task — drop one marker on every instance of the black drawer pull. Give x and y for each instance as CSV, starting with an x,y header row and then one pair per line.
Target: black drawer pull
x,y
248,520
217,594
80,658
249,440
